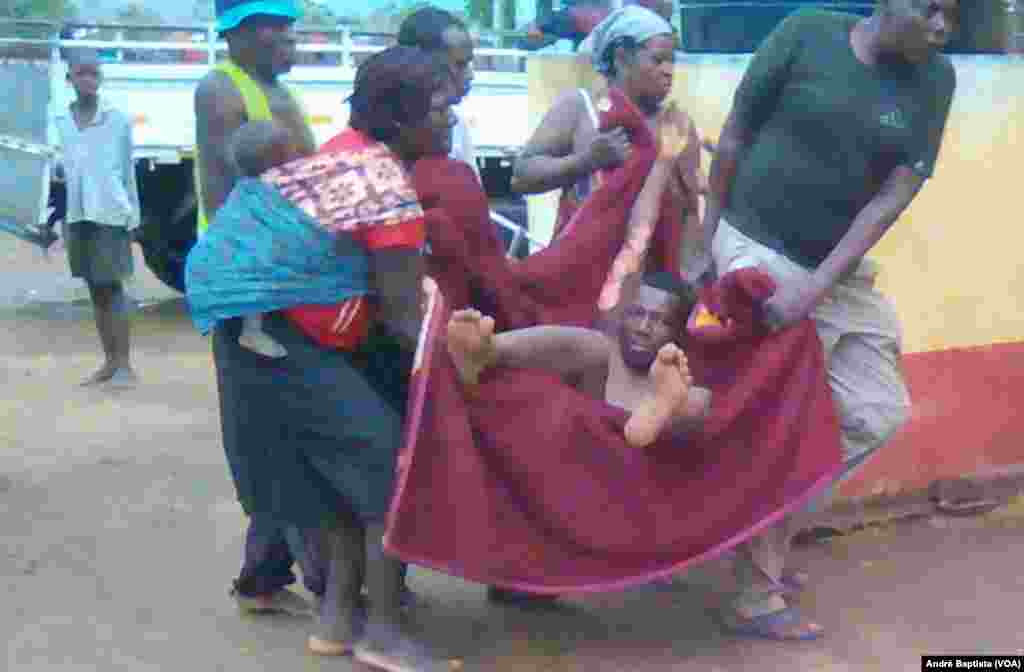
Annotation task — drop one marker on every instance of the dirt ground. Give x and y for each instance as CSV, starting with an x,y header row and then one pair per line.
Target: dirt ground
x,y
119,535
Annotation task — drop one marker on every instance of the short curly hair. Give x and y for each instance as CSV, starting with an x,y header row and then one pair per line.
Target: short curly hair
x,y
425,28
674,284
393,88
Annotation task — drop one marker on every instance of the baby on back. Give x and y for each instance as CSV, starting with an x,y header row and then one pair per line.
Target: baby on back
x,y
255,148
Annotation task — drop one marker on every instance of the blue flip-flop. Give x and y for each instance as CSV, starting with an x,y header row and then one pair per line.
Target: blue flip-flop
x,y
766,626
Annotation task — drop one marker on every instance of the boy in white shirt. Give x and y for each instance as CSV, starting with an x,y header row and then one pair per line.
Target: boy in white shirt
x,y
102,210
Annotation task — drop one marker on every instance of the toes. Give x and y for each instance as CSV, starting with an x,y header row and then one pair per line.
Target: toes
x,y
667,353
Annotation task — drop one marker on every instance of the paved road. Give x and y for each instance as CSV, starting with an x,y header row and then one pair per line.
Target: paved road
x,y
119,534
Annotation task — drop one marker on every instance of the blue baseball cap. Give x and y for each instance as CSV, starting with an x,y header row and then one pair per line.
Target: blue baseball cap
x,y
230,13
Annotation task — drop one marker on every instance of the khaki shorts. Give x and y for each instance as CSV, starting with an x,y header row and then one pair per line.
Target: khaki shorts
x,y
100,255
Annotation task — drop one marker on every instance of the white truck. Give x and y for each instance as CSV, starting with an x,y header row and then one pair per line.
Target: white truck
x,y
153,81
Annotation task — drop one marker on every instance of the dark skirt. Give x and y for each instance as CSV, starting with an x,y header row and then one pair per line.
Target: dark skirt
x,y
313,433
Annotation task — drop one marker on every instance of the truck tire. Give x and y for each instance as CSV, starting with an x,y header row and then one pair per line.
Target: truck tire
x,y
166,241
168,228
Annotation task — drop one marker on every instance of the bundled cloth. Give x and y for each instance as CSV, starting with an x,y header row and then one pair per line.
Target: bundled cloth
x,y
264,253
529,484
300,234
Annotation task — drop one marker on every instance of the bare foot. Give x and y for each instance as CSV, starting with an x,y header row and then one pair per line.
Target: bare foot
x,y
105,373
471,344
670,377
254,338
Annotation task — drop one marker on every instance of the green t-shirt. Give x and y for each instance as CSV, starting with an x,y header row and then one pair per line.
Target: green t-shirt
x,y
827,132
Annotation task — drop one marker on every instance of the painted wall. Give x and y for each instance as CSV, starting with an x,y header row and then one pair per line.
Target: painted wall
x,y
952,264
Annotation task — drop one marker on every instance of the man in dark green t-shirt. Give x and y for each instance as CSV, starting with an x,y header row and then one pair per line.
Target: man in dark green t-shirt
x,y
833,130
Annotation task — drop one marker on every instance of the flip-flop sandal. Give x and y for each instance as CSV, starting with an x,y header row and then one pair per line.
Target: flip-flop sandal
x,y
767,626
965,507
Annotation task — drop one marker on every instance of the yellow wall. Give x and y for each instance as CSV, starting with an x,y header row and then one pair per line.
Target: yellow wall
x,y
954,263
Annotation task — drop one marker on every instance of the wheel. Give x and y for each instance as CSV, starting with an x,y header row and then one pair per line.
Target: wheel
x,y
166,242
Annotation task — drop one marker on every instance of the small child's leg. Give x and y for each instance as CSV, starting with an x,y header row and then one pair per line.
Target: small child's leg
x,y
254,338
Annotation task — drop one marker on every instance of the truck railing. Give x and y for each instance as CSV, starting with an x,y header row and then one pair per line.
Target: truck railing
x,y
345,45
519,234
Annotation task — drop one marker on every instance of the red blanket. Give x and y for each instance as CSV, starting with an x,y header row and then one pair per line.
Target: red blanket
x,y
528,483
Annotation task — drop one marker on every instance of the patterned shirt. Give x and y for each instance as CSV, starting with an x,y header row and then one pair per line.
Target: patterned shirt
x,y
356,186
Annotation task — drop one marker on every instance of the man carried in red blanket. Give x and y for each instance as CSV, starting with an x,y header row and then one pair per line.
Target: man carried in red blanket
x,y
639,369
525,483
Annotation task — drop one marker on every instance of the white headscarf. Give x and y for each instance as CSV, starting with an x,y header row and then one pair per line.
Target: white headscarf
x,y
633,21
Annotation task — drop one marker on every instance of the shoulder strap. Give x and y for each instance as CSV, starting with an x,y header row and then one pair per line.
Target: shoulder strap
x,y
257,107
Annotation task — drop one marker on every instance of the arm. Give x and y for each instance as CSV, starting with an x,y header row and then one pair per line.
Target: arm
x,y
548,161
564,350
220,111
128,168
897,192
735,139
790,303
754,102
396,276
688,171
643,218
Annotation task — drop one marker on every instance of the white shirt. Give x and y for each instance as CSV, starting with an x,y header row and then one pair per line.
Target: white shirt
x,y
462,144
98,169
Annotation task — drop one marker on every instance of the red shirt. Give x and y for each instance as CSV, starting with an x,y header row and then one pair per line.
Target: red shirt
x,y
345,325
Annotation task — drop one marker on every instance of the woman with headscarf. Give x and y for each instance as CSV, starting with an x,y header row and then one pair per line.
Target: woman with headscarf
x,y
330,247
575,146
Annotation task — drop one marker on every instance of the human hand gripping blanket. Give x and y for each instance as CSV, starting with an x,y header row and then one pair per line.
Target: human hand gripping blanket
x,y
527,483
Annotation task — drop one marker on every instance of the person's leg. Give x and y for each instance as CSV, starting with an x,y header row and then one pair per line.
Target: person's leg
x,y
759,608
254,338
388,643
266,571
340,613
309,549
102,256
248,423
861,334
861,338
113,322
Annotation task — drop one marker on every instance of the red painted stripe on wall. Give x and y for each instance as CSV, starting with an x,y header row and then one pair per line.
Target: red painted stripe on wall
x,y
967,418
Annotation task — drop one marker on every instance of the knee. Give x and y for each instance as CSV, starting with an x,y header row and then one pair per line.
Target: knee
x,y
109,297
868,426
